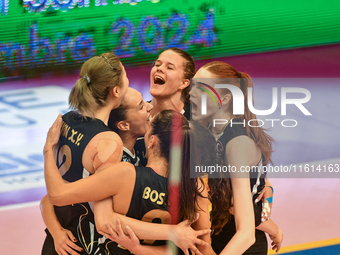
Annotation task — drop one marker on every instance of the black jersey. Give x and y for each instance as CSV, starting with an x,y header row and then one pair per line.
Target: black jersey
x,y
130,157
257,182
140,144
257,178
76,133
148,203
186,111
140,151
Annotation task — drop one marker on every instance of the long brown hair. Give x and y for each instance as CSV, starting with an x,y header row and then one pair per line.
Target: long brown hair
x,y
204,153
193,135
243,81
220,195
98,76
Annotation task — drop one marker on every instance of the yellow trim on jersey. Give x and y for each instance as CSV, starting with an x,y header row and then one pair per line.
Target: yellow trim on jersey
x,y
306,246
205,180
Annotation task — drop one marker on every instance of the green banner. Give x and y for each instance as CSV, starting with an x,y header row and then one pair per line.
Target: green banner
x,y
47,34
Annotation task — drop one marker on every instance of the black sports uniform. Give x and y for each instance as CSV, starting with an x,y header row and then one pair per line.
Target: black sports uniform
x,y
129,157
76,133
140,144
257,182
148,203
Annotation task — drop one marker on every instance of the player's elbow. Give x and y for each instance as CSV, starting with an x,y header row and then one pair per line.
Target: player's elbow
x,y
250,238
56,199
101,228
248,234
43,201
100,224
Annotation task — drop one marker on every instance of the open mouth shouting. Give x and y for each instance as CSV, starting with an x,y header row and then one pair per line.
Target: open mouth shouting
x,y
194,107
158,80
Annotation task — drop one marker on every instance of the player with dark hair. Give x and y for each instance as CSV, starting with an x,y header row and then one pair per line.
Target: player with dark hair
x,y
139,192
130,121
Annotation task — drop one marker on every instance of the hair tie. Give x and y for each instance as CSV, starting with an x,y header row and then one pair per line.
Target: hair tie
x,y
87,78
239,74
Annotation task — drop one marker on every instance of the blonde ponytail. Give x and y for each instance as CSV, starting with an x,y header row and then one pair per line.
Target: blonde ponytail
x,y
98,76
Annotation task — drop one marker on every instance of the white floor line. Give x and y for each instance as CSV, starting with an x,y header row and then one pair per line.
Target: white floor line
x,y
17,206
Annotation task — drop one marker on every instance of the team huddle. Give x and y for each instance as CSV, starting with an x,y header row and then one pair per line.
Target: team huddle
x,y
107,164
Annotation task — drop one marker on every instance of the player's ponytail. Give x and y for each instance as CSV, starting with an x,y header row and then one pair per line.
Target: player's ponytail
x,y
197,145
97,77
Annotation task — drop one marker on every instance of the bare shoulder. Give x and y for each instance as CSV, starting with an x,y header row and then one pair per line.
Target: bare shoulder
x,y
241,152
241,142
104,148
126,167
105,140
242,146
109,137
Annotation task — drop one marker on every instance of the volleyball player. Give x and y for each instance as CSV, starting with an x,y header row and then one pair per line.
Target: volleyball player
x,y
86,143
169,87
130,121
131,187
238,146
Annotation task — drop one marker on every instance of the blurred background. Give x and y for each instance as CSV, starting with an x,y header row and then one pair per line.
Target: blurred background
x,y
279,43
56,36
